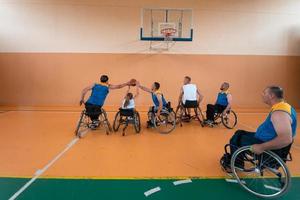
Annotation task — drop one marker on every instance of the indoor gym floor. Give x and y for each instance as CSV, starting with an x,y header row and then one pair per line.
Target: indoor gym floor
x,y
41,144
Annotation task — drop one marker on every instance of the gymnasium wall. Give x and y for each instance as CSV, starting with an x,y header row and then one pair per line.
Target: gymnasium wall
x,y
50,50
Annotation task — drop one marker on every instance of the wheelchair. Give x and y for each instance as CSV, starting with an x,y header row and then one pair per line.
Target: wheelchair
x,y
165,122
265,175
182,113
126,117
84,123
228,119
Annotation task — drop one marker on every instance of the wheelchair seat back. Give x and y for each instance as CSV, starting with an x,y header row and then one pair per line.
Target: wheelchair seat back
x,y
169,107
190,104
127,112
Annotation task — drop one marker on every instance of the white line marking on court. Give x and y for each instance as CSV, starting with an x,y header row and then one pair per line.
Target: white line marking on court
x,y
233,181
39,172
272,188
152,191
182,182
83,133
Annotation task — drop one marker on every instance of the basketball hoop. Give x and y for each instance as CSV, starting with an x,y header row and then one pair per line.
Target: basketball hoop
x,y
168,33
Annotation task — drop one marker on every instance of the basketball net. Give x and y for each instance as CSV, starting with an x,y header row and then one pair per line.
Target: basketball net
x,y
168,34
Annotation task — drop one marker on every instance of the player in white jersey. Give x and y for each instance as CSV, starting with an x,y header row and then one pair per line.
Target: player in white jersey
x,y
189,96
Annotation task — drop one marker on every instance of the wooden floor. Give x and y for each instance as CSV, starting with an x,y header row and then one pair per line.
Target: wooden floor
x,y
31,139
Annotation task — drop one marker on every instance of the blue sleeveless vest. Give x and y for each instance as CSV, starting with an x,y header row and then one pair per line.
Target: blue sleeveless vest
x,y
222,98
266,130
99,94
155,99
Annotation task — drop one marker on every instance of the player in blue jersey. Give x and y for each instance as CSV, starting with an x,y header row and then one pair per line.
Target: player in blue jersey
x,y
158,99
222,104
275,133
99,93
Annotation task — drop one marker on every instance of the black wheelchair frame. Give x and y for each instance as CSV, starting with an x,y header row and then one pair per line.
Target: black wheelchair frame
x,y
165,122
182,111
85,122
273,162
224,118
126,117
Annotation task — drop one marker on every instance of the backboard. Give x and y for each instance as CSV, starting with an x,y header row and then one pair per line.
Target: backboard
x,y
155,21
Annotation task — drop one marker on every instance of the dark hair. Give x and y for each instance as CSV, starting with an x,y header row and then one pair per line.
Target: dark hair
x,y
127,100
188,78
277,91
104,78
156,85
227,84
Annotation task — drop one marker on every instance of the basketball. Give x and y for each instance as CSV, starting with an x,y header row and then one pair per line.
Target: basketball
x,y
132,82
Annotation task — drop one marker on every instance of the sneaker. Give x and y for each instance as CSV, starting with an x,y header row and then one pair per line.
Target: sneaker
x,y
208,122
186,118
92,126
150,124
96,123
130,118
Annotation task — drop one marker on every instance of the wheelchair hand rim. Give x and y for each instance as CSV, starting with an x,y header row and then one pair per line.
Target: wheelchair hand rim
x,y
280,191
171,123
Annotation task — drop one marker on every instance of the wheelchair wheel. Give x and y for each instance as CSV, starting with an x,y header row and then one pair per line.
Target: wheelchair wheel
x,y
199,116
265,175
165,122
179,114
104,121
117,121
137,122
83,125
229,120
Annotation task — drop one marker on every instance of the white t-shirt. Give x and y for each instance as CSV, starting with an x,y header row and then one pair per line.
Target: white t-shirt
x,y
131,104
189,92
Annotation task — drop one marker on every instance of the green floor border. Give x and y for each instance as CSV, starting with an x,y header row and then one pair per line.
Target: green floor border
x,y
90,189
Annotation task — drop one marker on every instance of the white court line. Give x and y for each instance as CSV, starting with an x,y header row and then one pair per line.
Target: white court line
x,y
233,181
182,182
152,191
39,172
272,188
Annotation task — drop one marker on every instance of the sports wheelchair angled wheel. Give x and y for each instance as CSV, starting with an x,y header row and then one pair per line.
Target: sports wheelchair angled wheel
x,y
164,123
182,113
228,119
126,117
265,175
84,123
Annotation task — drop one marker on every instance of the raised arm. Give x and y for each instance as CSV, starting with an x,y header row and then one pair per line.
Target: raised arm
x,y
118,86
83,93
229,99
145,89
282,125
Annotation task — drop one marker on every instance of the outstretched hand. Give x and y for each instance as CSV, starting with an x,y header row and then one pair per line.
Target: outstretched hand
x,y
81,102
132,82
